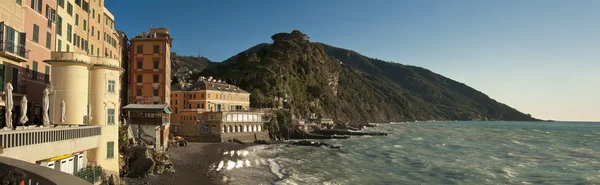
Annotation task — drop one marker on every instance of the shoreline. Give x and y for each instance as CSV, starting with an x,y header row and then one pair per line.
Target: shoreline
x,y
193,165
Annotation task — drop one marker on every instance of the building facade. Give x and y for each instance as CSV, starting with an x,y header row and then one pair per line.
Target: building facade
x,y
86,71
205,110
71,48
26,31
150,67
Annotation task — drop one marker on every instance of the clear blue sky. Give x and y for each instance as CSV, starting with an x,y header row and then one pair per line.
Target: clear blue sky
x,y
539,56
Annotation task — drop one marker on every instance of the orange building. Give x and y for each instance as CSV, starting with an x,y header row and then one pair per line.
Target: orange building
x,y
208,110
150,67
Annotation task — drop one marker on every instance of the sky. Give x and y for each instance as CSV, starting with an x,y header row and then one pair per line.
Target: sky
x,y
541,57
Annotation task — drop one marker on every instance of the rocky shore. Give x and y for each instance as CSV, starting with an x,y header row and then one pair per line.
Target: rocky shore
x,y
192,165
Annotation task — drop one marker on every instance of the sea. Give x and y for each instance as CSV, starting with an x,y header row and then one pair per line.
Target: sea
x,y
433,153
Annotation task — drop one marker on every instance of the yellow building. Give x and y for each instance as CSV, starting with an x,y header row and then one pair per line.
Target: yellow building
x,y
12,45
150,67
86,71
203,111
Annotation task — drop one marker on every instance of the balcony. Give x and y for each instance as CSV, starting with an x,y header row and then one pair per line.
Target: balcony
x,y
36,76
38,175
35,144
13,51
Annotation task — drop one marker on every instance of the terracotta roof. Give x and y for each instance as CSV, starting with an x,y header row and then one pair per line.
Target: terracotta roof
x,y
207,85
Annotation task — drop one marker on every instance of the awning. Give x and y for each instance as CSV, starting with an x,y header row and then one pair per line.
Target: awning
x,y
152,108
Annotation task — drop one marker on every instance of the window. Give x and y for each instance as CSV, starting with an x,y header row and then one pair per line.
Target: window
x,y
111,86
202,106
76,19
48,40
155,102
155,92
92,49
86,6
194,96
61,3
47,70
36,5
36,33
140,49
99,19
110,150
93,13
155,78
84,25
69,32
155,64
68,48
139,92
202,95
139,78
59,45
78,3
156,49
35,66
139,64
59,25
110,116
92,31
208,95
70,9
19,2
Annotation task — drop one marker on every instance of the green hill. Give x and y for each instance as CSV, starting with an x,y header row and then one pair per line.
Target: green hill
x,y
310,77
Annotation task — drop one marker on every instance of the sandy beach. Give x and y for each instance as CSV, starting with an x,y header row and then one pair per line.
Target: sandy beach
x,y
192,165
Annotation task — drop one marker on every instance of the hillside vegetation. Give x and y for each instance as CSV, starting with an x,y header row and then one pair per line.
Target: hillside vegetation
x,y
310,77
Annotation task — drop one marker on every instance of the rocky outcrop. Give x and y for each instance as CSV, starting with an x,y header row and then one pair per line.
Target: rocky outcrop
x,y
143,161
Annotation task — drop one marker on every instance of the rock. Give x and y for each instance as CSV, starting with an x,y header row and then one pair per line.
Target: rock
x,y
238,141
261,142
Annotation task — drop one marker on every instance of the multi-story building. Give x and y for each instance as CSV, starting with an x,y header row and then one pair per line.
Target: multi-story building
x,y
212,110
76,40
88,73
13,43
150,67
26,31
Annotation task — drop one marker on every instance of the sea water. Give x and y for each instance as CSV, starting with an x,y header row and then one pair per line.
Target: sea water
x,y
435,153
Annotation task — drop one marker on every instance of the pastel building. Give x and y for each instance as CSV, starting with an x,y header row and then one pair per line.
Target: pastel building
x,y
71,48
212,110
150,67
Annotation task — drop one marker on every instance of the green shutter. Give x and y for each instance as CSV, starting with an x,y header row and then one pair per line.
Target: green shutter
x,y
36,33
110,149
48,40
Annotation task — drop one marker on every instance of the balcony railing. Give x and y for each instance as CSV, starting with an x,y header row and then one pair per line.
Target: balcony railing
x,y
14,49
17,138
36,174
36,76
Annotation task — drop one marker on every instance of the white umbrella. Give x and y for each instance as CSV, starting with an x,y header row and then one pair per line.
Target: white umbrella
x,y
89,113
63,107
45,106
24,118
9,106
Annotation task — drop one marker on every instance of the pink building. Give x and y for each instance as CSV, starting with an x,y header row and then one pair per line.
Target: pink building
x,y
35,74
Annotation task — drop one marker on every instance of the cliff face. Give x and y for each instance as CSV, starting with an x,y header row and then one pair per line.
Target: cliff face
x,y
310,77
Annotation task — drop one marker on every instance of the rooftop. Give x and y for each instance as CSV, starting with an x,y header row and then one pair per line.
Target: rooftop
x,y
208,84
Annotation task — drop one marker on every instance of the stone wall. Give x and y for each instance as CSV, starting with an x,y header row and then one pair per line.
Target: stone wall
x,y
245,136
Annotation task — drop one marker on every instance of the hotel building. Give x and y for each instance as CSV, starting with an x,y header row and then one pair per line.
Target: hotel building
x,y
213,111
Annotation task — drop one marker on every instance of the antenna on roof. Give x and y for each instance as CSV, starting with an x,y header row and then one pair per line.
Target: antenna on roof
x,y
198,50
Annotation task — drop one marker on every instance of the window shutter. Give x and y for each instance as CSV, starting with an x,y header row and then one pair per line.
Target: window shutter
x,y
40,5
